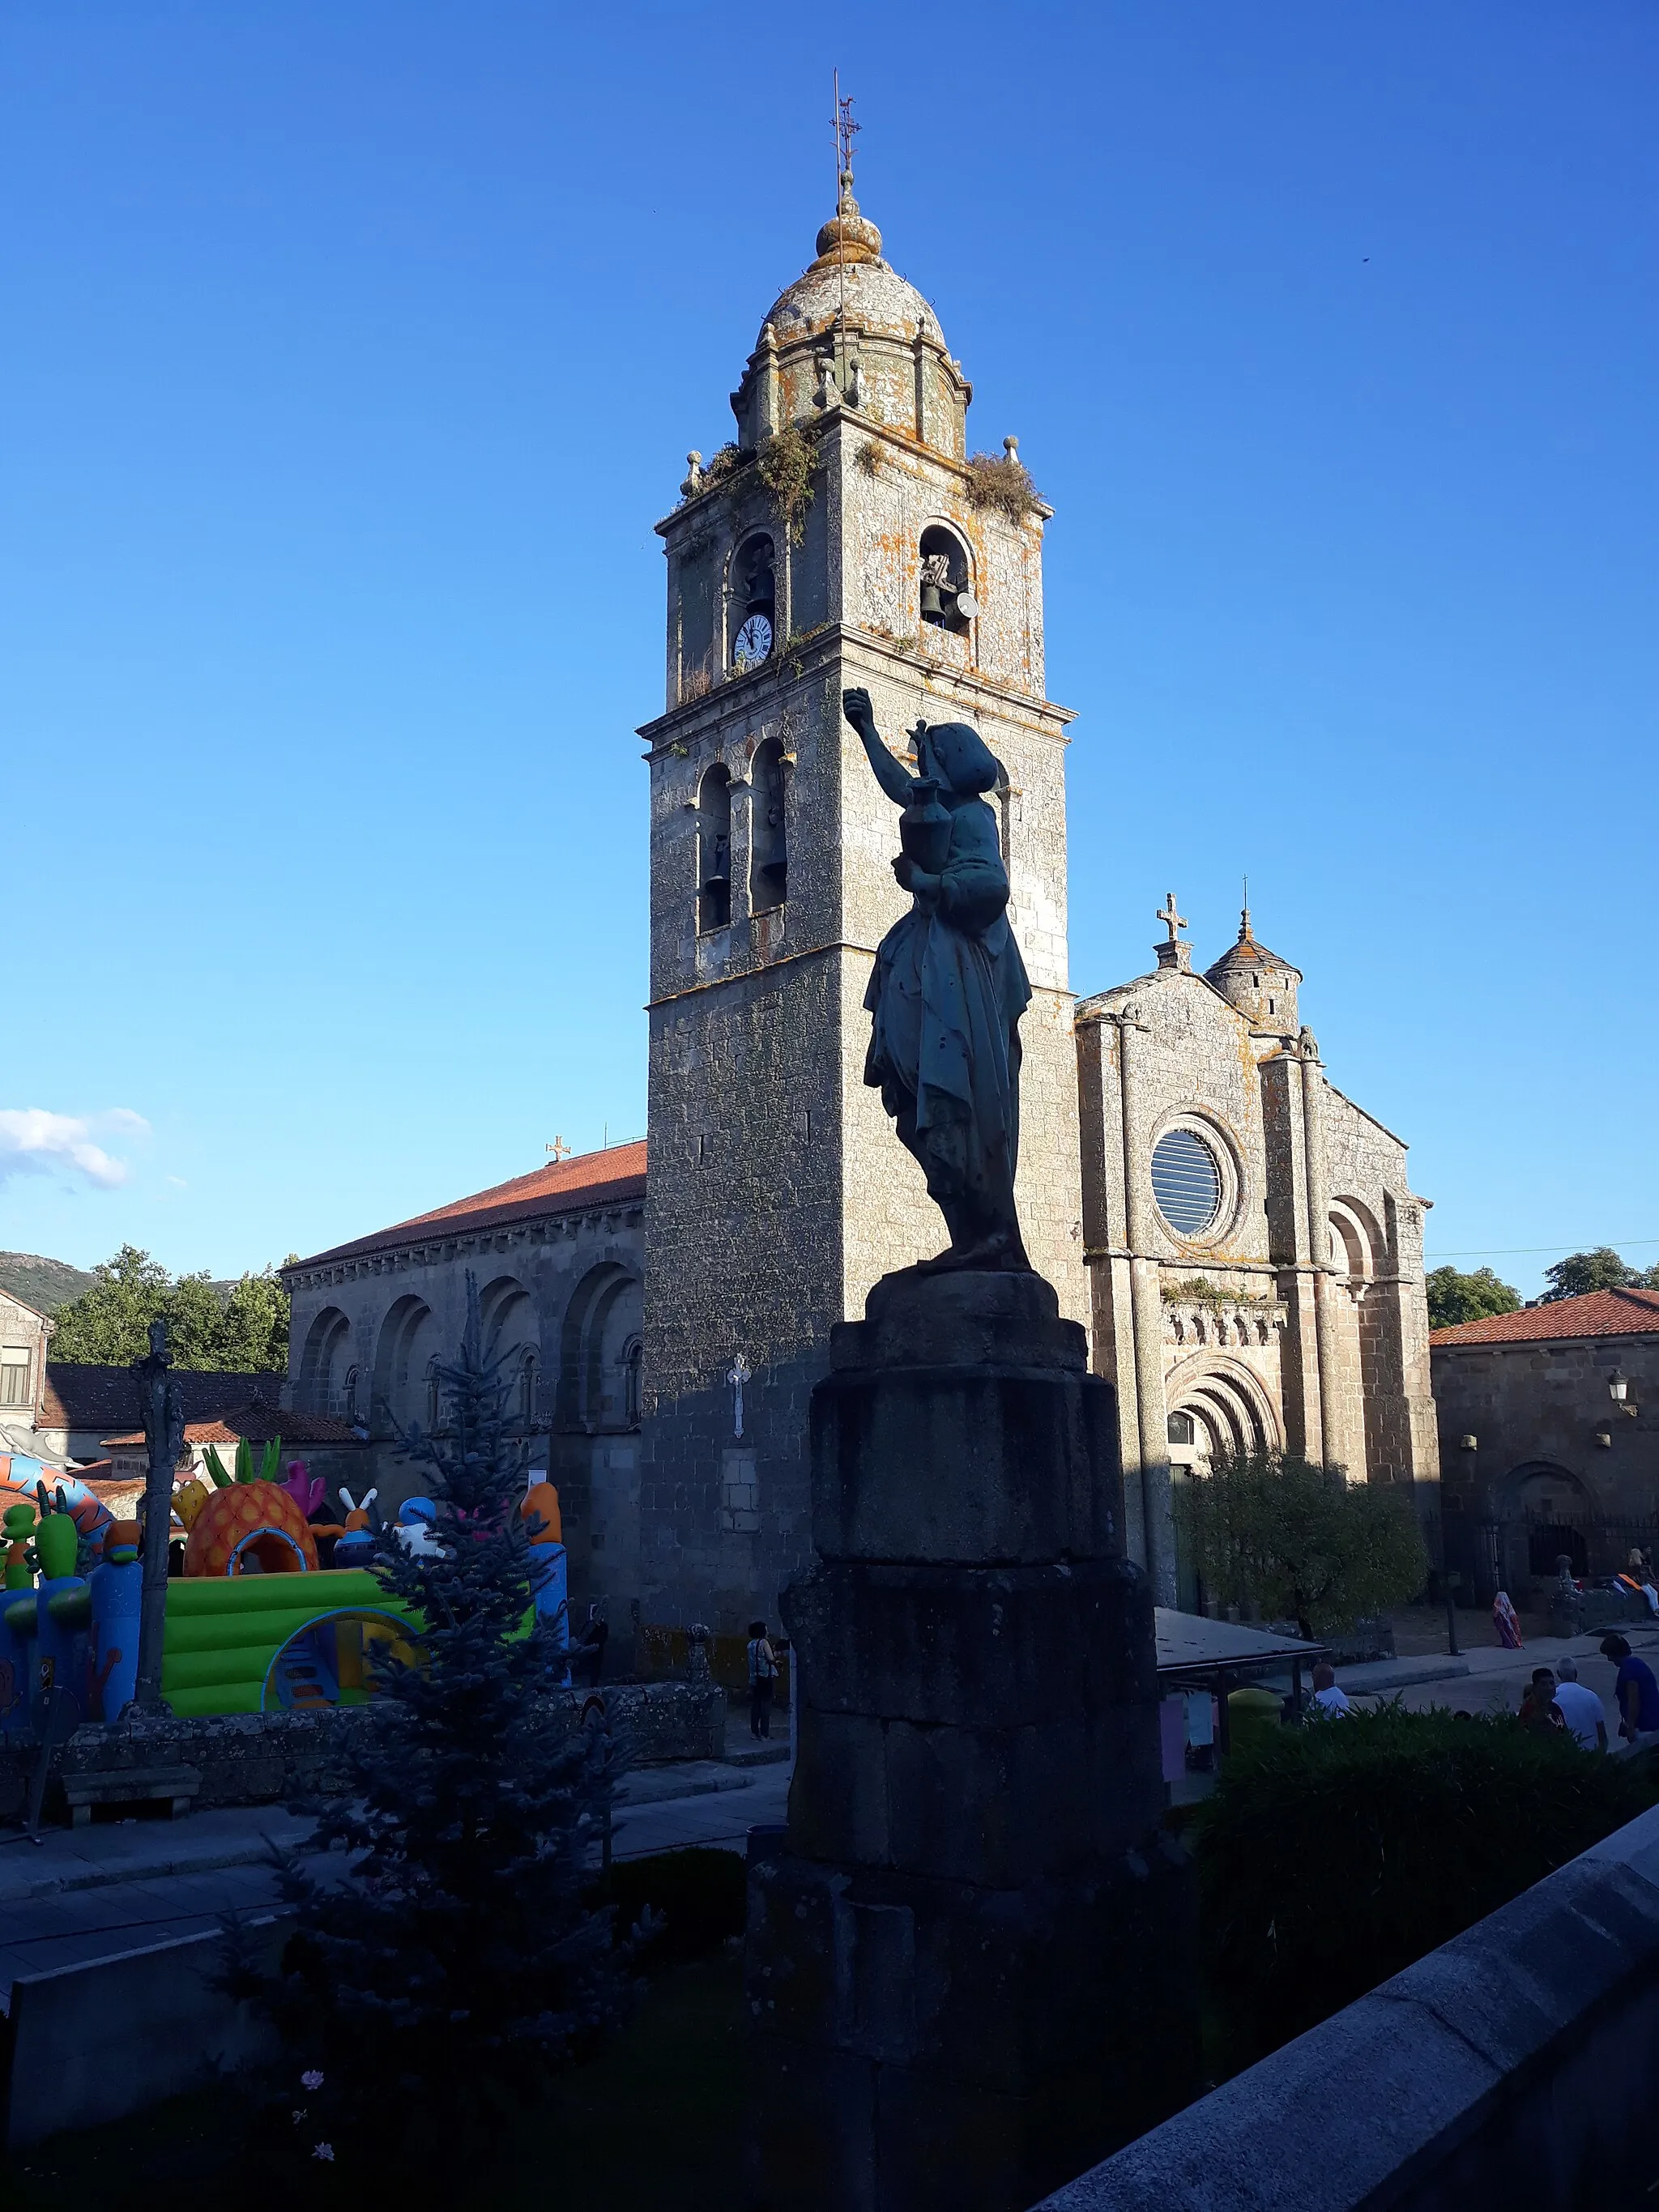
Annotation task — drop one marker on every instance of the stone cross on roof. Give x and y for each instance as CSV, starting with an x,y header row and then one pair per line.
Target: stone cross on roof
x,y
739,1373
1167,915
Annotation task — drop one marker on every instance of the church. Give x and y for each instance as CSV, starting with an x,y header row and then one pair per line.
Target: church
x,y
1240,1240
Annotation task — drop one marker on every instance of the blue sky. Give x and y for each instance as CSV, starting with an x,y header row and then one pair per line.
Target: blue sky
x,y
352,350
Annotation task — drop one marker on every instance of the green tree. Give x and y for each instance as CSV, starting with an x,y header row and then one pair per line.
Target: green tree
x,y
245,1331
109,1324
1600,1270
1299,1542
253,1334
465,1961
1454,1296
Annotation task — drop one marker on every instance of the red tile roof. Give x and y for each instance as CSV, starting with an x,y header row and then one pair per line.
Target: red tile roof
x,y
605,1178
79,1394
259,1422
1597,1313
196,1432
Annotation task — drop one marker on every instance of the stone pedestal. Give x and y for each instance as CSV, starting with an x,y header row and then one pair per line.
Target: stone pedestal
x,y
971,1971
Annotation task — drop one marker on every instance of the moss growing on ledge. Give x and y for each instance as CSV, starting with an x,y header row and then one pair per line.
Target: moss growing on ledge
x,y
784,463
1001,483
1196,1291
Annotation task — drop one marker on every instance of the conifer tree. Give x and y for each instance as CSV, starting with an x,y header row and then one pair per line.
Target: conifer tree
x,y
460,1963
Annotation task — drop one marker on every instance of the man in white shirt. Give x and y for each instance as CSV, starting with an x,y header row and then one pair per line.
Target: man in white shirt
x,y
1326,1697
1580,1709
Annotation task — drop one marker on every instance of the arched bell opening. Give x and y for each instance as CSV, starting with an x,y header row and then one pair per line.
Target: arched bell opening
x,y
769,843
947,598
714,850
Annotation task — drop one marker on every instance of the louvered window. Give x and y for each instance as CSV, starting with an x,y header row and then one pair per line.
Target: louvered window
x,y
1186,1182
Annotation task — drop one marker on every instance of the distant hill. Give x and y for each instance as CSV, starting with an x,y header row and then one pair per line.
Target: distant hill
x,y
45,1284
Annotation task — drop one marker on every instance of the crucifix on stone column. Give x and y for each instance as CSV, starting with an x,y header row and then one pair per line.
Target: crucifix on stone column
x,y
164,1432
1167,915
739,1373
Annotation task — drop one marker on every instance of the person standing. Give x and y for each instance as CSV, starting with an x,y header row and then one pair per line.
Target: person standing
x,y
762,1678
1580,1709
1635,1693
588,1657
1539,1710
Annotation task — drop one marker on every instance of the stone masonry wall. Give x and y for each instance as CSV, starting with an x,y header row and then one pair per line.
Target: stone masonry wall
x,y
540,1277
779,1191
267,1759
1538,1413
1237,1308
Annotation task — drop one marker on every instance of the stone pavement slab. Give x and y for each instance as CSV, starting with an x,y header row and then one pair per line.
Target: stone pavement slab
x,y
720,1821
129,1850
88,1892
686,1778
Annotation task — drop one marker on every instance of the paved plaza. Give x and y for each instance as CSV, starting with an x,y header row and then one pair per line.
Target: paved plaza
x,y
87,1893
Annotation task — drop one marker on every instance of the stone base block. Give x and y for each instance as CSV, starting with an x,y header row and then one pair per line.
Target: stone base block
x,y
927,2046
958,1426
973,1646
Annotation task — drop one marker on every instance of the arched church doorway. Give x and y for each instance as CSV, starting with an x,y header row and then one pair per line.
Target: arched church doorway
x,y
1216,1412
1546,1513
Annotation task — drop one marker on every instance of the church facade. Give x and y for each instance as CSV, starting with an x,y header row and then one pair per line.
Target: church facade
x,y
1254,1248
672,1322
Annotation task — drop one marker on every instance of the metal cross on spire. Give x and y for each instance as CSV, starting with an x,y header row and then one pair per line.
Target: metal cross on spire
x,y
845,129
1172,921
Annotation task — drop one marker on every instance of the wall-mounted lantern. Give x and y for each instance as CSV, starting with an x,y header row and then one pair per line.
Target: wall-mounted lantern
x,y
1619,1391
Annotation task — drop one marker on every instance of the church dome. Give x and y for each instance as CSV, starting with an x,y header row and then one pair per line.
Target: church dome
x,y
1258,982
880,302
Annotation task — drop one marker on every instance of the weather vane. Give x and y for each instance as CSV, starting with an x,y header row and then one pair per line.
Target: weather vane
x,y
845,129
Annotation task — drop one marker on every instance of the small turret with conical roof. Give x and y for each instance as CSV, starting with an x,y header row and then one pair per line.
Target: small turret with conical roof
x,y
1258,982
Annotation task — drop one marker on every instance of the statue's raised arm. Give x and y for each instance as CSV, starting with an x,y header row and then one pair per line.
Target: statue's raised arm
x,y
948,988
892,775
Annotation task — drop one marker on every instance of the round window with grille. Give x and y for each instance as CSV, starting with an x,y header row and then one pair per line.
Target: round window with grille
x,y
1186,1182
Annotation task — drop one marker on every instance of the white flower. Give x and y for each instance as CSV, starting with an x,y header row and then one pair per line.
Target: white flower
x,y
325,2150
313,2080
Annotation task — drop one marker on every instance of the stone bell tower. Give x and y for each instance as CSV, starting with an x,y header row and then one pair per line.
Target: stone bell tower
x,y
844,538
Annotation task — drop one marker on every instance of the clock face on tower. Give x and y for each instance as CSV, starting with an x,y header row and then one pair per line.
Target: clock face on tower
x,y
753,643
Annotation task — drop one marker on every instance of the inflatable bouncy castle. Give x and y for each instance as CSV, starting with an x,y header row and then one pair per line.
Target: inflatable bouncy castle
x,y
254,1624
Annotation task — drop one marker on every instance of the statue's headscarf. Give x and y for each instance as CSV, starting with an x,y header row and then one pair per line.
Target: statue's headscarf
x,y
957,755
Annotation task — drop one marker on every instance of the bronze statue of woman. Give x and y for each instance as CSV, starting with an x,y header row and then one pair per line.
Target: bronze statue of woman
x,y
948,989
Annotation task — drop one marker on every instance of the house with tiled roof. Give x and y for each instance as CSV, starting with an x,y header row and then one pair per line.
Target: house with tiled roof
x,y
331,1448
559,1258
24,1334
1549,1438
83,1403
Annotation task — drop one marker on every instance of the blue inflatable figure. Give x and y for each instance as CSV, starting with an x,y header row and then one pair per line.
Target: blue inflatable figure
x,y
356,1548
417,1525
62,1606
118,1585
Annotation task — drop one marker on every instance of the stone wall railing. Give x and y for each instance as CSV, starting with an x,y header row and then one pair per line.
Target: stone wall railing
x,y
1512,2066
262,1759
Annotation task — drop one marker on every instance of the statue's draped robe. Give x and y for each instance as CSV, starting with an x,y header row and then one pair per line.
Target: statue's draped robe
x,y
949,988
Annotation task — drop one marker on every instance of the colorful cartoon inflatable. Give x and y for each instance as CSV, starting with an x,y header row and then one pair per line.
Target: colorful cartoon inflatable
x,y
253,1624
250,1626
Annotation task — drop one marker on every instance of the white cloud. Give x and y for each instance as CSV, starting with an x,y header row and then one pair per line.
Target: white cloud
x,y
34,1142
